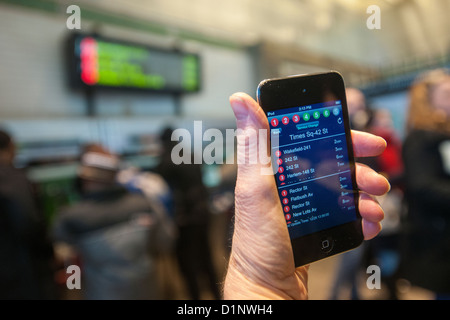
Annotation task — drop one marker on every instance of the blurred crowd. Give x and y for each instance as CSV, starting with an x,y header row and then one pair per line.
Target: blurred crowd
x,y
129,234
131,226
414,244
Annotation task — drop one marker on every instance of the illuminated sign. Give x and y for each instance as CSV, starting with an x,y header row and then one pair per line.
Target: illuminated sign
x,y
104,63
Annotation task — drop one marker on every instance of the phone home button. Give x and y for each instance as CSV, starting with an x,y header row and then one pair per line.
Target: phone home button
x,y
326,245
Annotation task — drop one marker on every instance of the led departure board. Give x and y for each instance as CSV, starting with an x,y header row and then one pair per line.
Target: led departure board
x,y
105,63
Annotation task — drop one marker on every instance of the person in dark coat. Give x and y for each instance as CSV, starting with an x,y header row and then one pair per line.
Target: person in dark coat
x,y
115,233
26,253
192,218
426,155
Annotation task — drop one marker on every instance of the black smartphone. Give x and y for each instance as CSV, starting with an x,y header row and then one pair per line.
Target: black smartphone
x,y
313,162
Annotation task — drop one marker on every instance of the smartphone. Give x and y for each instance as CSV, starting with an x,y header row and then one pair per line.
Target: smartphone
x,y
313,162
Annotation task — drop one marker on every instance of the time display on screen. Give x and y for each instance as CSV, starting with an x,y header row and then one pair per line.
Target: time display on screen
x,y
101,62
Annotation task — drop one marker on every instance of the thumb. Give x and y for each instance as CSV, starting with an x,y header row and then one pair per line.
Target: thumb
x,y
247,112
252,133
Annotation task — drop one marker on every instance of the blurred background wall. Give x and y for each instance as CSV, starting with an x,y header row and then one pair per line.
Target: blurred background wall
x,y
240,43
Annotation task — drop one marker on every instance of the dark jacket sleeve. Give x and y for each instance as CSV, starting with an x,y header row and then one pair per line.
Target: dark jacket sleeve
x,y
425,177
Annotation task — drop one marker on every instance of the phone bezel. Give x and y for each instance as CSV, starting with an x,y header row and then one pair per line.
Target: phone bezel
x,y
301,90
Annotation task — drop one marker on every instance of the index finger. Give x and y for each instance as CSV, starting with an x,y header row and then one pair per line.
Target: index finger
x,y
366,144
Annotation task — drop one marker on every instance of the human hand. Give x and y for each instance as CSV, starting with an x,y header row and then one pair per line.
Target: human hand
x,y
261,264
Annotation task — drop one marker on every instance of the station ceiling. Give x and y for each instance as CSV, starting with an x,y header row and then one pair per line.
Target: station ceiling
x,y
409,29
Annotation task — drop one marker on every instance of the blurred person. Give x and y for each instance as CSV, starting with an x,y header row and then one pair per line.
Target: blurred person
x,y
261,265
26,255
384,250
192,218
390,162
350,262
156,190
426,154
115,233
361,117
359,113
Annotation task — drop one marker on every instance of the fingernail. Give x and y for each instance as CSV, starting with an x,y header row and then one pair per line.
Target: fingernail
x,y
387,181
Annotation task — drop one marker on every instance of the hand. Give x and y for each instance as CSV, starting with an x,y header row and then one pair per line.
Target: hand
x,y
261,264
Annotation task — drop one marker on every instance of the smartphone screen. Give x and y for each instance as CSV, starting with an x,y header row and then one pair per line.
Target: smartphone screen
x,y
313,163
313,175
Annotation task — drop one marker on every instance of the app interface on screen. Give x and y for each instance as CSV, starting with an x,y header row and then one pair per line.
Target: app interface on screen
x,y
313,173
